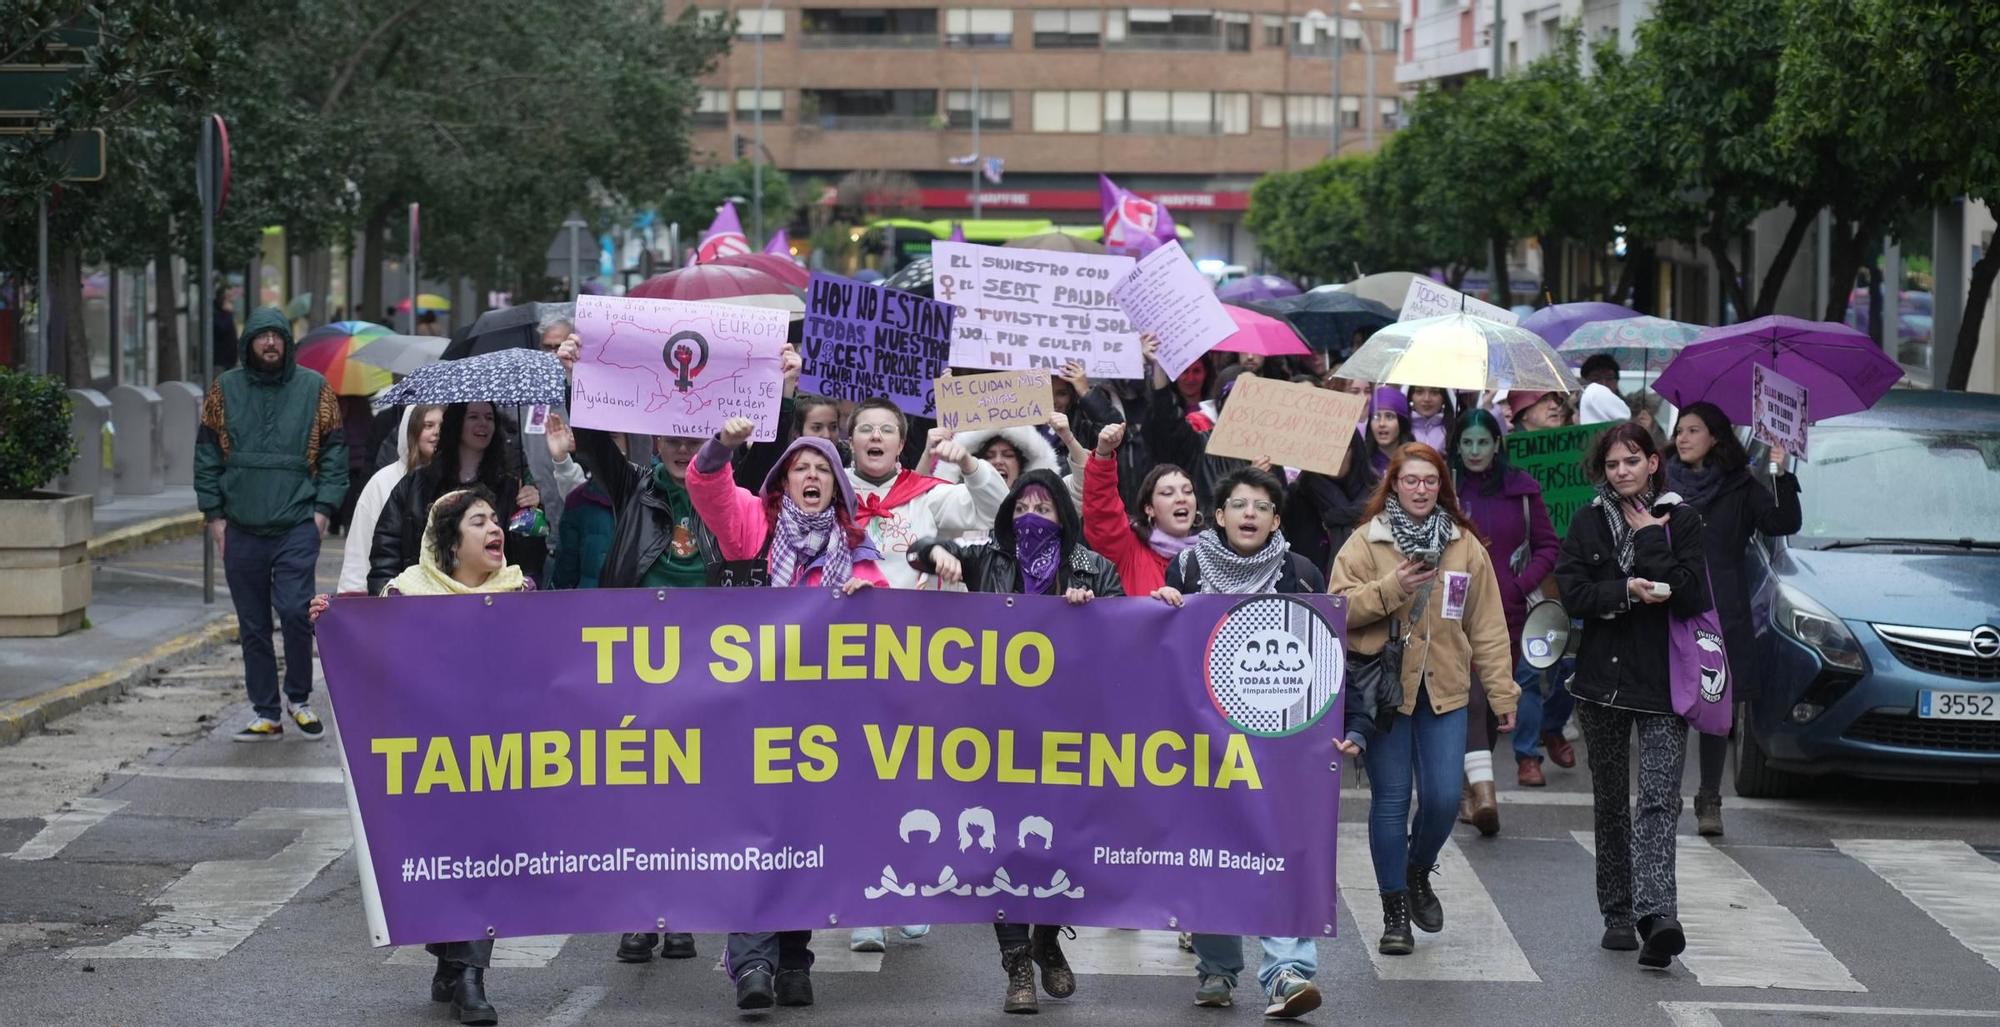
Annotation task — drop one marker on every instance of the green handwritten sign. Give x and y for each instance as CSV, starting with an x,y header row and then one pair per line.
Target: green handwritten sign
x,y
1554,458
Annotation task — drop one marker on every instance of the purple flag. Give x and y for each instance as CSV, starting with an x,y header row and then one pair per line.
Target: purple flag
x,y
1133,225
724,236
586,762
957,232
780,244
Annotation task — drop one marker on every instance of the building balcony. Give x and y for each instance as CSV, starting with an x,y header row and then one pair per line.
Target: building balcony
x,y
869,41
870,122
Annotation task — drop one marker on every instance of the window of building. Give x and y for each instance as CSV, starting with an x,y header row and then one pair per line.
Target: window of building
x,y
1391,112
1072,28
711,107
1309,115
1232,113
1176,112
774,103
868,27
979,27
1313,37
1350,112
1160,28
996,109
752,23
869,109
1273,26
1073,110
1270,111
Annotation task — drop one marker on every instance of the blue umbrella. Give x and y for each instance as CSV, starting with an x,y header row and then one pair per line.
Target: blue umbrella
x,y
508,377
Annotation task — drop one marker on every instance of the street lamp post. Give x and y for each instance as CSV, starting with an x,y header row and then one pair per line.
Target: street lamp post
x,y
977,157
1339,47
757,131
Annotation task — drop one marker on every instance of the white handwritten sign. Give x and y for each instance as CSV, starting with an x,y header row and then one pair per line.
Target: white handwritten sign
x,y
1427,298
973,402
1778,410
1022,308
668,367
1168,296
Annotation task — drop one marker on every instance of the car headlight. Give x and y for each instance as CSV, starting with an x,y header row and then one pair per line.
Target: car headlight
x,y
1814,626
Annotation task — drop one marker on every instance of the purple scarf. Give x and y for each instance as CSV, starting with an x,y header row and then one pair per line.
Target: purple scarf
x,y
1167,545
1038,546
802,540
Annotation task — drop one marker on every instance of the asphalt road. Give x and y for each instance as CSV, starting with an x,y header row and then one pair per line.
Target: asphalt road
x,y
152,872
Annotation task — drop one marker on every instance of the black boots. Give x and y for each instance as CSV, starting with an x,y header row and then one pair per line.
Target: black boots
x,y
754,989
1425,909
638,948
1620,939
468,1000
1663,939
444,980
1396,937
795,988
1020,980
1046,950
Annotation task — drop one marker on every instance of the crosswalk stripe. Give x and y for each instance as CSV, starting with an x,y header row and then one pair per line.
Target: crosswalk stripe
x,y
531,952
255,775
1738,934
1949,881
1110,951
217,904
1475,945
78,816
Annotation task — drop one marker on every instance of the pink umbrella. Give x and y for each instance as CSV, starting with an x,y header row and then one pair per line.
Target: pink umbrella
x,y
1262,335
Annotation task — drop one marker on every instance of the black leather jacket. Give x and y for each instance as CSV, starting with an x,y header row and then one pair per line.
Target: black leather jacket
x,y
644,526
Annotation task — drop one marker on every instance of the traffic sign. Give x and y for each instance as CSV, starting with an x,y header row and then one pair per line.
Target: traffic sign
x,y
211,172
79,153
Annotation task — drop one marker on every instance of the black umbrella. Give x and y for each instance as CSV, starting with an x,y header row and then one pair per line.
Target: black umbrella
x,y
1328,320
509,328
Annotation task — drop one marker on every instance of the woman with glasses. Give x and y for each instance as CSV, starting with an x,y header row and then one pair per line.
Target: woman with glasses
x,y
1632,562
1246,554
1416,572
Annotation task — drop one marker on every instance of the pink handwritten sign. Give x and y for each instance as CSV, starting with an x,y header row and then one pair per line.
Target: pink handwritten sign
x,y
669,367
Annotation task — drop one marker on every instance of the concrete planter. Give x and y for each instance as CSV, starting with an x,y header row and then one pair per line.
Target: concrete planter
x,y
44,564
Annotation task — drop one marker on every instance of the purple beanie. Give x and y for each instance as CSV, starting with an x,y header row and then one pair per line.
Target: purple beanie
x,y
1388,397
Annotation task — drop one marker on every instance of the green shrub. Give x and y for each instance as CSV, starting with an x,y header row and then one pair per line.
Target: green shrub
x,y
35,443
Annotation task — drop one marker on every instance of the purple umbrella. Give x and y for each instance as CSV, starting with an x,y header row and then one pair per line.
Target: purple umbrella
x,y
1844,372
1555,323
1256,288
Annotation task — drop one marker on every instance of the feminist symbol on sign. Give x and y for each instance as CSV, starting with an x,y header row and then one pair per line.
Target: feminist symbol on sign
x,y
687,352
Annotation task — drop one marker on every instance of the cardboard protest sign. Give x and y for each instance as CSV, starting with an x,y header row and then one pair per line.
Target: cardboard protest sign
x,y
668,367
1168,296
973,402
1036,308
1294,424
1554,458
862,340
1427,298
1778,410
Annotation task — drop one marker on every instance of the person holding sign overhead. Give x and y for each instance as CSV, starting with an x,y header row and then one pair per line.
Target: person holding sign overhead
x,y
898,506
1710,470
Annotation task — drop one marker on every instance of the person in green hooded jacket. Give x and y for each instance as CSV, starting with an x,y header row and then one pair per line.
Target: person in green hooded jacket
x,y
270,469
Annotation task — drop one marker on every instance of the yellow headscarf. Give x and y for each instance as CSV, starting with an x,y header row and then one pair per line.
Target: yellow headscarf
x,y
428,578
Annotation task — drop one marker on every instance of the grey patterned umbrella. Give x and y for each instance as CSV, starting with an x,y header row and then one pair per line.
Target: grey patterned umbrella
x,y
508,377
914,276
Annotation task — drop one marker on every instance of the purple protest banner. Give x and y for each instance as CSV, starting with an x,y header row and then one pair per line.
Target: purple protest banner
x,y
739,759
670,367
863,340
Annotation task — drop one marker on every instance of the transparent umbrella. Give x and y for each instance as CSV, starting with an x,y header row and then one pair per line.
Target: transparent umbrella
x,y
1460,351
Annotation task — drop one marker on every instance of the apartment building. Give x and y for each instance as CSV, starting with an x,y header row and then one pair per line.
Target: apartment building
x,y
1186,105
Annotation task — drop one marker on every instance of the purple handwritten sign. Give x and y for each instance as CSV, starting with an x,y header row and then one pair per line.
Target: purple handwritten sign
x,y
668,367
771,759
864,340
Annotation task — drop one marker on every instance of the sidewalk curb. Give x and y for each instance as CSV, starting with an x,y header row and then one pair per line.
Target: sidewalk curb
x,y
24,717
145,533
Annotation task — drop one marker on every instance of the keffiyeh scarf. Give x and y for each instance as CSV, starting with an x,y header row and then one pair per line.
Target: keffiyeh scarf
x,y
1622,537
801,539
1225,570
1414,536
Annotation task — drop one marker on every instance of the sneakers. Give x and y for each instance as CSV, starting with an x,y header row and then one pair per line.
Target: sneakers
x,y
1396,937
1046,951
753,988
1561,752
1185,942
261,729
1531,773
1708,814
1213,992
308,722
867,939
914,931
1425,909
1020,980
1291,995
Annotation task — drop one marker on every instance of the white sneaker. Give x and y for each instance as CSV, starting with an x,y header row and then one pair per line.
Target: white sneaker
x,y
915,931
1291,995
867,939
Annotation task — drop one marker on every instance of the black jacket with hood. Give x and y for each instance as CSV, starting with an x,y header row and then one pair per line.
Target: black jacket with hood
x,y
1622,660
993,567
1740,509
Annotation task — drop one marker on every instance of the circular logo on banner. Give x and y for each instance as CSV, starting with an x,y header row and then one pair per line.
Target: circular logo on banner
x,y
1274,666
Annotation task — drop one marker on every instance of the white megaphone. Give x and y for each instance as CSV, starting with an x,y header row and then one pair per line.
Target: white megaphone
x,y
1546,636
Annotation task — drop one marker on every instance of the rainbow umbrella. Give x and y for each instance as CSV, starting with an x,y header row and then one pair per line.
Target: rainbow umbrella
x,y
329,349
426,301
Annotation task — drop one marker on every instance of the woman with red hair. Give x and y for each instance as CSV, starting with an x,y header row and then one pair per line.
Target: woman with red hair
x,y
1416,572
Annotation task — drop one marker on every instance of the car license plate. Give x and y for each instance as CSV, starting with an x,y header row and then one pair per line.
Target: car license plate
x,y
1958,705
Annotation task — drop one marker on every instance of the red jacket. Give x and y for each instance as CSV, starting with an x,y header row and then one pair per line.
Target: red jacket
x,y
1109,531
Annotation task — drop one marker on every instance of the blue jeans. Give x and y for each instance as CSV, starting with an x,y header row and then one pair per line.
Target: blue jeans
x,y
1221,955
1541,714
264,572
1425,749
